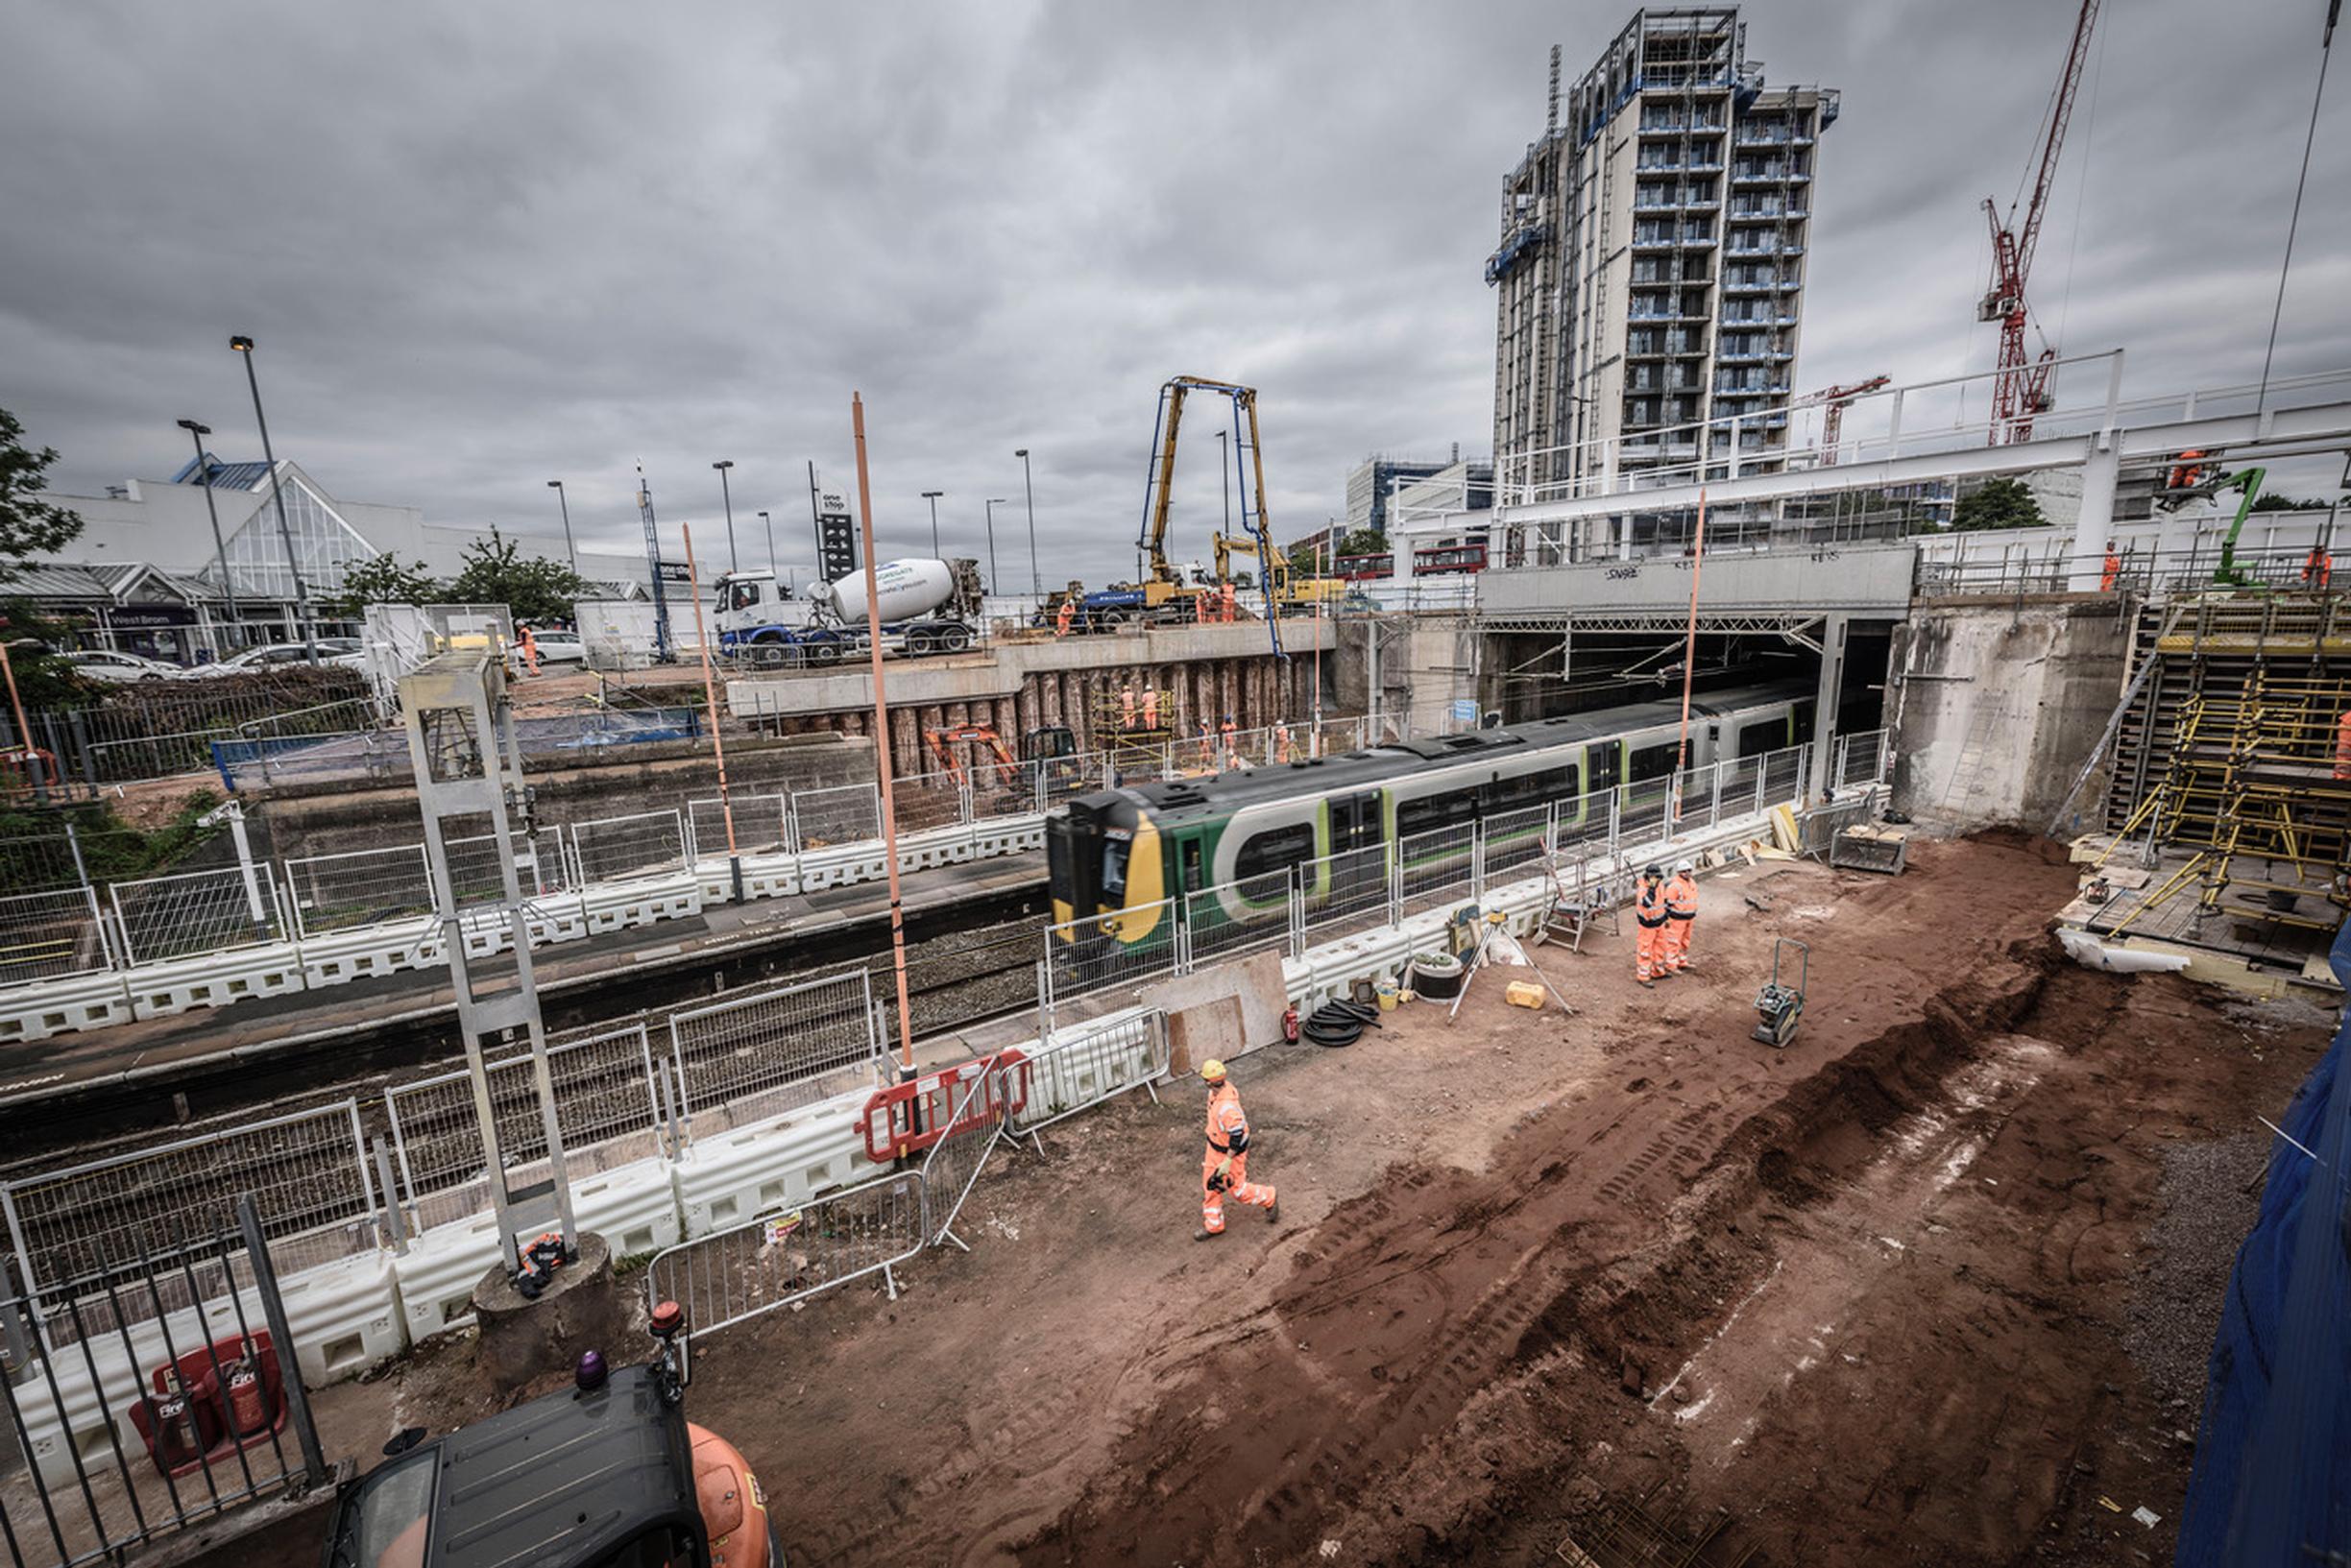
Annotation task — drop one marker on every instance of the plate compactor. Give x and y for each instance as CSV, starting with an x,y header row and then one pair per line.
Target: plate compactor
x,y
1781,1003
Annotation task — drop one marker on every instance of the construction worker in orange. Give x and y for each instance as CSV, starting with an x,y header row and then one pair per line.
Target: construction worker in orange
x,y
530,649
1225,1169
2112,570
1649,918
2187,473
1150,708
1681,916
1063,617
1224,742
2317,568
1127,708
2342,746
1229,605
1199,608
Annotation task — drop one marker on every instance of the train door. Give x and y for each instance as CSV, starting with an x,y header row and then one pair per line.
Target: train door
x,y
1357,845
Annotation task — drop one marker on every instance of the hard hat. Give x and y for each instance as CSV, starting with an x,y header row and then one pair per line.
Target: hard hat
x,y
1212,1071
1654,870
1684,865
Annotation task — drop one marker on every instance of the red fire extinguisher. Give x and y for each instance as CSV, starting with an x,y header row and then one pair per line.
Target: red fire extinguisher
x,y
1290,1024
174,1417
248,1405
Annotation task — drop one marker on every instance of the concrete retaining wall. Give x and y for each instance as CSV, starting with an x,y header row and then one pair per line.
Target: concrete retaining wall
x,y
1995,705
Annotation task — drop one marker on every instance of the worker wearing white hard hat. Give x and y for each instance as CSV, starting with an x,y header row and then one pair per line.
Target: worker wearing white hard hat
x,y
1681,915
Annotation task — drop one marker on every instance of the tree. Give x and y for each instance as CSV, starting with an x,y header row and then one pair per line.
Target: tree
x,y
383,580
2275,502
30,527
532,587
2001,503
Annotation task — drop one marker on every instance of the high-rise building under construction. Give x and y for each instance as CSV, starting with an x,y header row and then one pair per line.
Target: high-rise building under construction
x,y
1650,275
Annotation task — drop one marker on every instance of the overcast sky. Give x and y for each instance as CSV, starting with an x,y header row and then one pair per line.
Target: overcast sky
x,y
482,247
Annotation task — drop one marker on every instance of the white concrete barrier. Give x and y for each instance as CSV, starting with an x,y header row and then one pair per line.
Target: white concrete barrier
x,y
215,979
62,1006
738,1174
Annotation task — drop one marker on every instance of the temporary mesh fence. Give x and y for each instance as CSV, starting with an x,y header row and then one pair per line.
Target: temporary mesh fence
x,y
1083,1067
952,1166
195,911
961,978
773,1050
1242,916
606,1108
789,1255
1105,953
355,888
1510,843
1436,868
761,825
847,814
306,1170
928,801
642,844
1860,759
1347,889
46,936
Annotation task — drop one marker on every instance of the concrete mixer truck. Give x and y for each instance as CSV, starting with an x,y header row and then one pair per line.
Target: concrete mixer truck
x,y
929,606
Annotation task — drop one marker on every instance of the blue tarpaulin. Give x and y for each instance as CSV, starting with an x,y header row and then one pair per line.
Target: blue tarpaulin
x,y
2272,1480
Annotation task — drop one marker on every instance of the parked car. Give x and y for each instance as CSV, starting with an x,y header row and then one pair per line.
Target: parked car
x,y
341,652
109,664
561,648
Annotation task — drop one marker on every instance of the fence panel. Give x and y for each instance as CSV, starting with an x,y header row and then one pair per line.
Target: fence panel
x,y
791,1255
1350,889
952,1167
762,1055
847,814
760,825
195,911
44,936
1103,952
1514,842
644,844
604,1107
1237,917
306,1170
1783,774
108,1498
1434,868
1086,1066
360,888
1861,758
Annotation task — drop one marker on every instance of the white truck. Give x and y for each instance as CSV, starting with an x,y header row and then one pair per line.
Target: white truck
x,y
929,606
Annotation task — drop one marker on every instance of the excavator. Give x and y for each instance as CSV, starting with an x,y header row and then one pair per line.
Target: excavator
x,y
1051,750
1287,591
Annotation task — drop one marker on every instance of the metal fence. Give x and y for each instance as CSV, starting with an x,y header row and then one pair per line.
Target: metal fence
x,y
775,1050
218,1418
1102,952
1246,915
356,888
1436,868
306,1170
789,1255
847,814
642,844
1080,1067
195,911
46,936
952,1167
608,1107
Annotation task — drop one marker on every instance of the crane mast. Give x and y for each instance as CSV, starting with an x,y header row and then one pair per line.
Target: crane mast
x,y
1833,417
2019,387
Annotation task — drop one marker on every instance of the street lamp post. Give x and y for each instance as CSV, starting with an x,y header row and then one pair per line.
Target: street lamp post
x,y
204,473
769,526
1036,580
565,502
285,530
734,562
994,501
933,496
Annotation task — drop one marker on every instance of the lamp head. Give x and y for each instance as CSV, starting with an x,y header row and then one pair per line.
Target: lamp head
x,y
241,344
193,428
1020,451
727,464
555,484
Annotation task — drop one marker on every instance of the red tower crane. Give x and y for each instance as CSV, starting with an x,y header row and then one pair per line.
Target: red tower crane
x,y
2020,390
1832,421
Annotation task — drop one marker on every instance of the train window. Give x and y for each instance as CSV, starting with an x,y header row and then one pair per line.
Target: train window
x,y
1274,849
1192,865
1558,783
1652,762
1763,736
1114,868
1429,811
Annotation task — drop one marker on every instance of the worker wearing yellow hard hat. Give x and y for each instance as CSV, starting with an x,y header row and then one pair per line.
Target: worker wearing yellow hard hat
x,y
1225,1169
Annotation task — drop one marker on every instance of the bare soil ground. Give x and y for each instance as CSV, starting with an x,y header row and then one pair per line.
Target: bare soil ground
x,y
1871,1295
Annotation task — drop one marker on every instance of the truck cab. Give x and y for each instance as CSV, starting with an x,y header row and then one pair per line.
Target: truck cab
x,y
759,620
609,1476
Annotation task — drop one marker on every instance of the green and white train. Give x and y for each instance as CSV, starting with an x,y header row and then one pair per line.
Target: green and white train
x,y
1115,857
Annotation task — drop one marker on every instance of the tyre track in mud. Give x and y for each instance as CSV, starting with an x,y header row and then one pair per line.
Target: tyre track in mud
x,y
1447,1283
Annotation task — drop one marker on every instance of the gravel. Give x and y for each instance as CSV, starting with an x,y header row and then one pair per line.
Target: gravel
x,y
2211,1192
